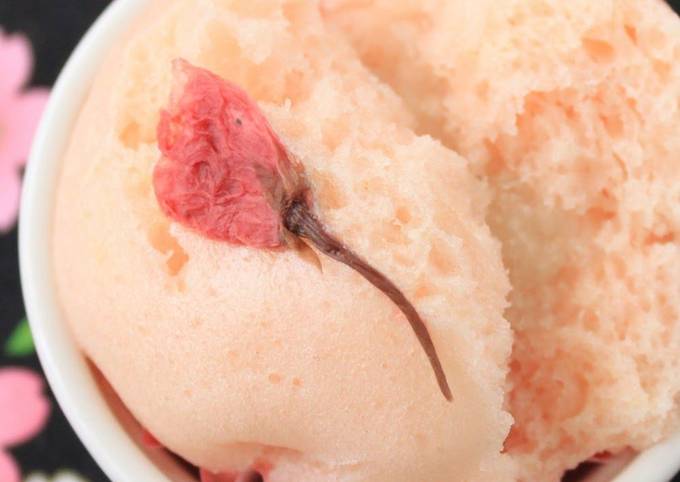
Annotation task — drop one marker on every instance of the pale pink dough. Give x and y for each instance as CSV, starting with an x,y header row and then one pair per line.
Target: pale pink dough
x,y
571,111
233,355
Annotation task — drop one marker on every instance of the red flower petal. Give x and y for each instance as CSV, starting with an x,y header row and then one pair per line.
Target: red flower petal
x,y
221,166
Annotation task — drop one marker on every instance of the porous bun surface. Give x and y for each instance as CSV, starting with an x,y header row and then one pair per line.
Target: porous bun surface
x,y
233,355
571,111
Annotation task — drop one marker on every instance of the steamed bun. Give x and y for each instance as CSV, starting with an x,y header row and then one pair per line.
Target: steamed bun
x,y
234,357
570,110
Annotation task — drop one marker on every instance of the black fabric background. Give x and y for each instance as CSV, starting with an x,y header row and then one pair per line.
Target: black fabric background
x,y
54,27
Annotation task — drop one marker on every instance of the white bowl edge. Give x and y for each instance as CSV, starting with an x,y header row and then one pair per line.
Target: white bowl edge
x,y
70,379
656,464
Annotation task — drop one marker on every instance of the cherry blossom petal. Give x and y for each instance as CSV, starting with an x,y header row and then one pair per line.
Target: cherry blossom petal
x,y
23,407
19,121
15,63
9,472
10,187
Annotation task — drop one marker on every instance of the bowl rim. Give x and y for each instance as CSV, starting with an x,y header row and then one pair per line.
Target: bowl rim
x,y
663,457
65,368
69,377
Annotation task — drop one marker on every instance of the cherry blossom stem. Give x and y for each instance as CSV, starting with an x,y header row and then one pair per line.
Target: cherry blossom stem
x,y
299,220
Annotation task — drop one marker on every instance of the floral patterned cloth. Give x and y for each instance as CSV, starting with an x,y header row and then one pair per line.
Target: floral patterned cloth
x,y
36,442
20,110
24,413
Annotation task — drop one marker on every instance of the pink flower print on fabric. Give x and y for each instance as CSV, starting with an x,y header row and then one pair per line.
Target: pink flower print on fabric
x,y
23,413
20,111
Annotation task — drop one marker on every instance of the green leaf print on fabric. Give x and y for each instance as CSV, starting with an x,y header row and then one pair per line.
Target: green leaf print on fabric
x,y
20,342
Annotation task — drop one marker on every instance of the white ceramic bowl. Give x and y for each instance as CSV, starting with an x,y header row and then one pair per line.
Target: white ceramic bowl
x,y
100,421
